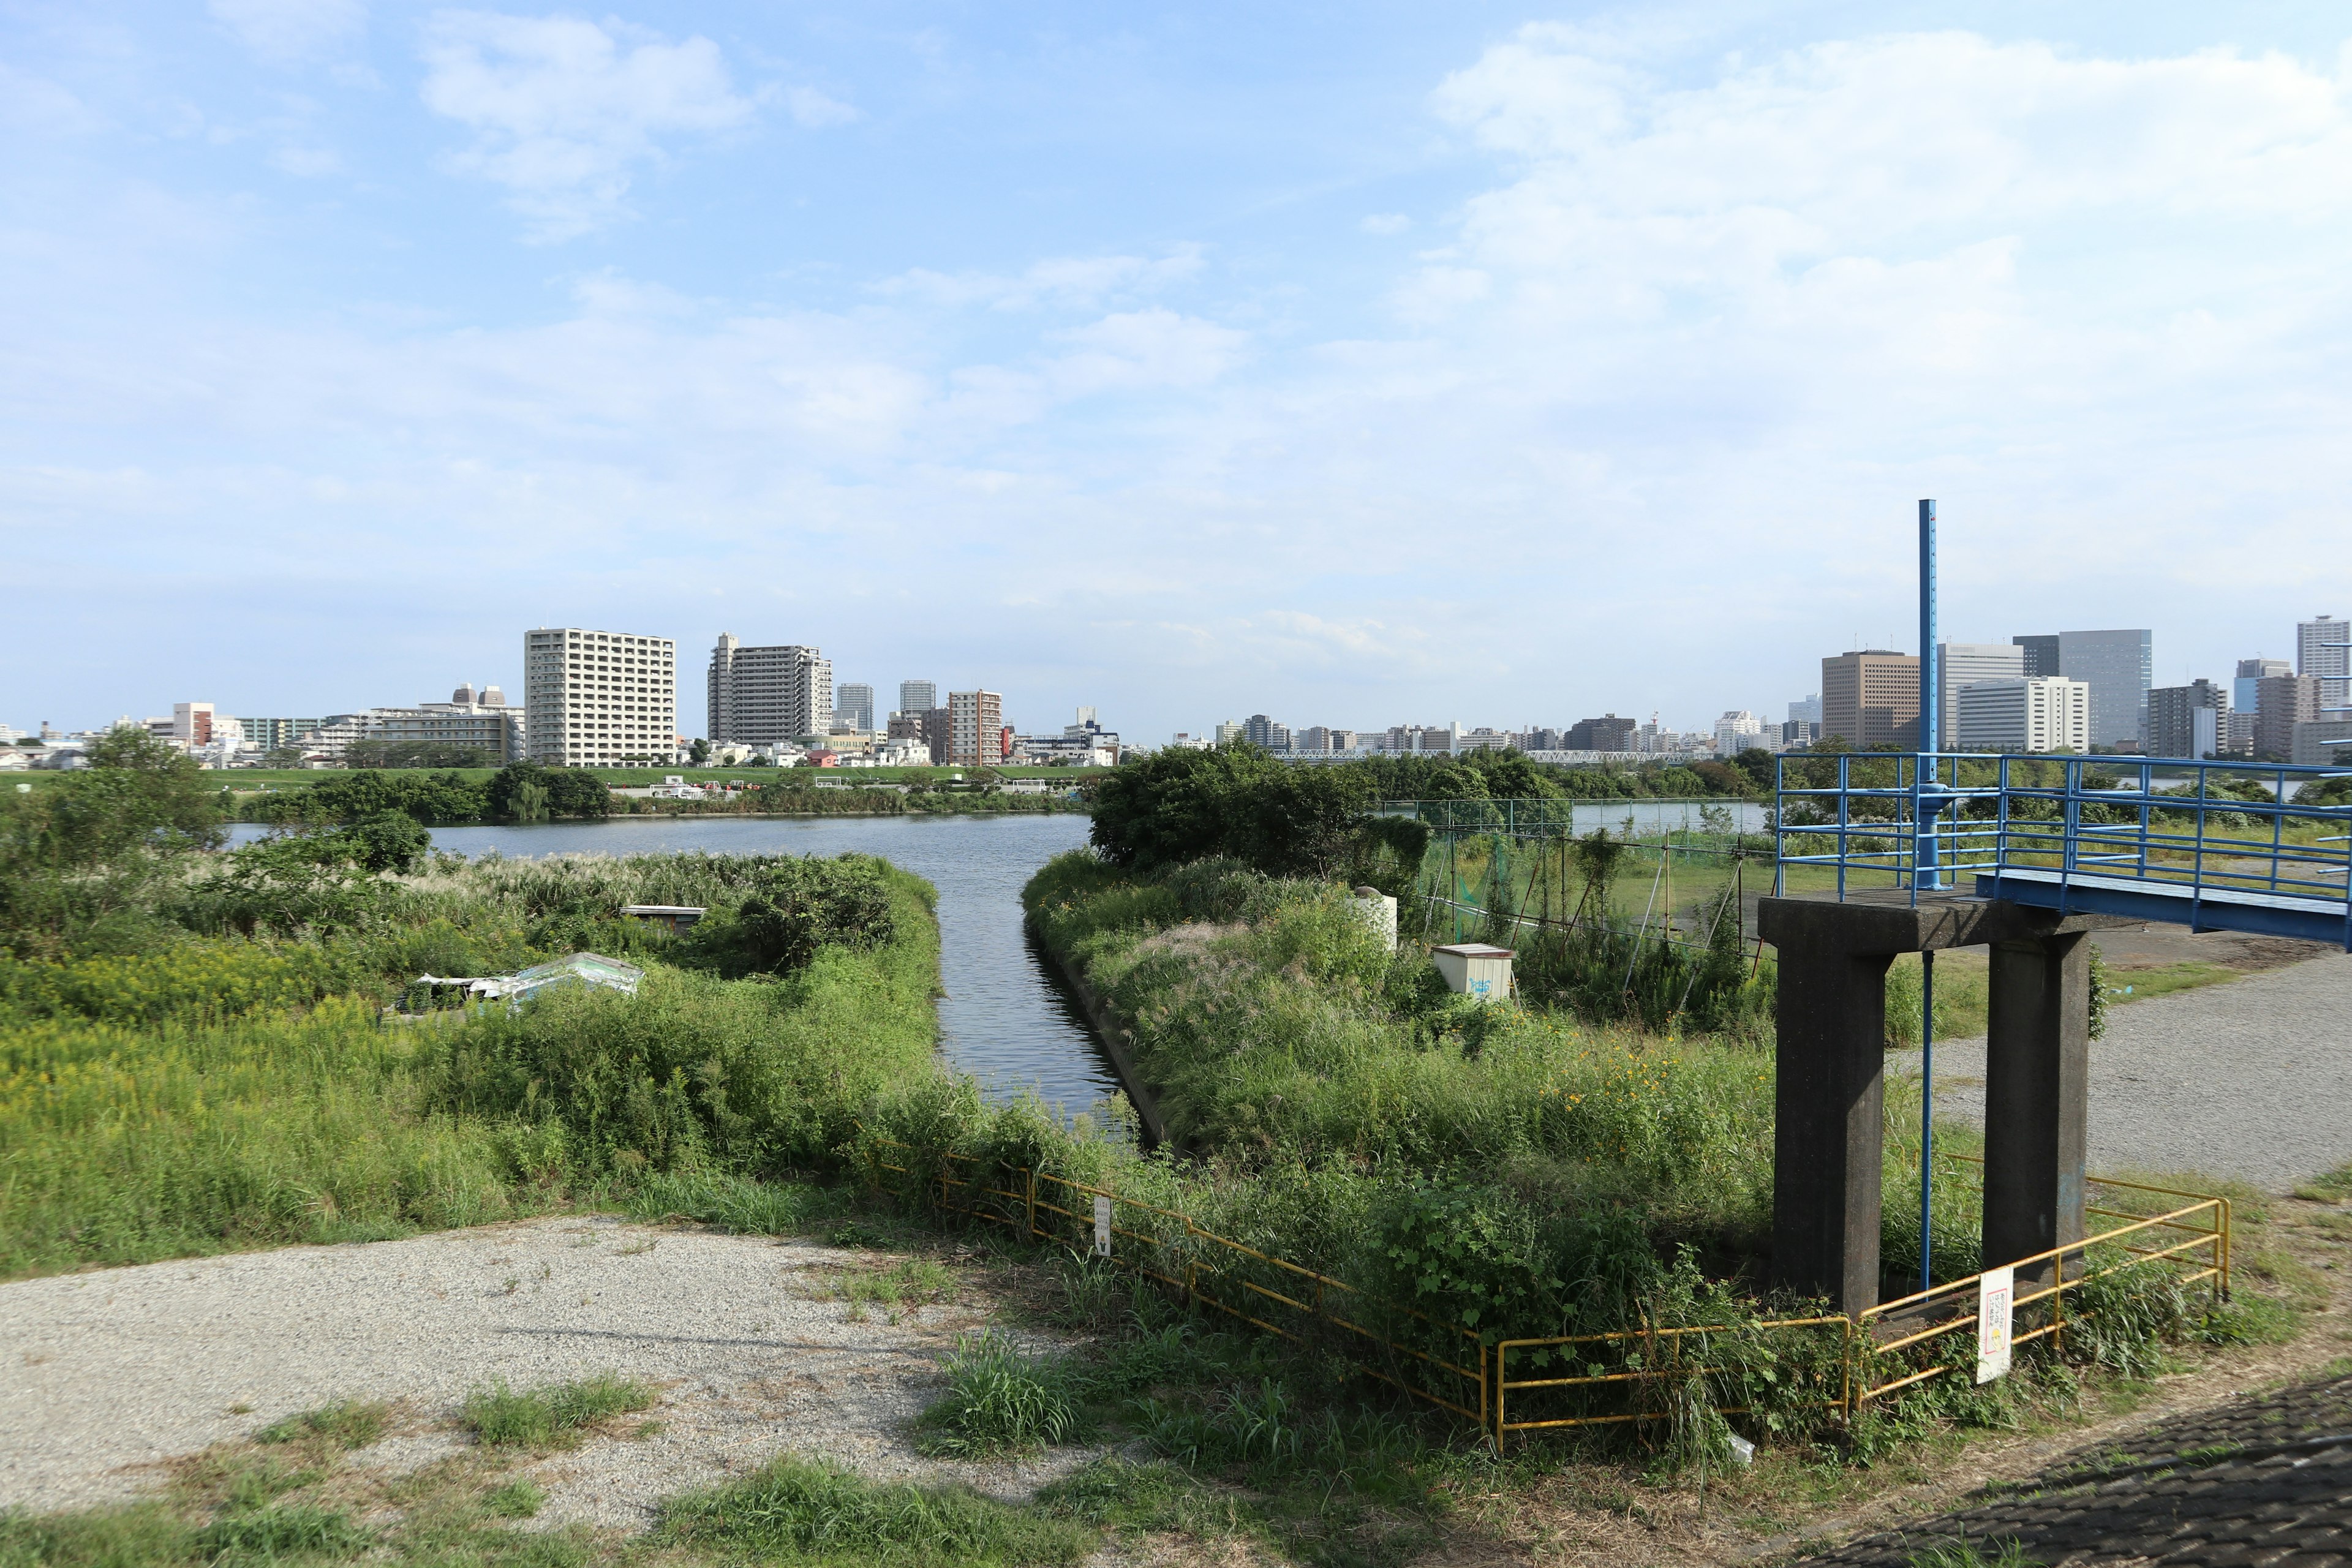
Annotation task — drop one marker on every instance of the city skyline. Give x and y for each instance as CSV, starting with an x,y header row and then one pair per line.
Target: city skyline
x,y
1231,352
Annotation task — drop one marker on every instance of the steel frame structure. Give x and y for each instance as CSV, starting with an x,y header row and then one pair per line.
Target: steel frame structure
x,y
2143,836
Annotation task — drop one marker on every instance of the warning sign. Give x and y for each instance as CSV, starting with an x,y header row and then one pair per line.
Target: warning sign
x,y
1102,1226
1996,1301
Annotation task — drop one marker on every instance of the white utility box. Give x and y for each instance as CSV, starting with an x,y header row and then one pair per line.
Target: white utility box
x,y
1378,911
1475,969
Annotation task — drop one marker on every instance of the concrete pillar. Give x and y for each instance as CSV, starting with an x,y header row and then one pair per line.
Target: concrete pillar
x,y
1831,1024
2037,1068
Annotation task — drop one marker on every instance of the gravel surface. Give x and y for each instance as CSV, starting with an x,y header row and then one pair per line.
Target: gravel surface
x,y
109,1375
2251,1080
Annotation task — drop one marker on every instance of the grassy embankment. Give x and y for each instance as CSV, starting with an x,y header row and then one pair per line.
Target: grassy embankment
x,y
213,1092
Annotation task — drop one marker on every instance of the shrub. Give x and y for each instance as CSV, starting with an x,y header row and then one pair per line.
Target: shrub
x,y
796,907
549,1417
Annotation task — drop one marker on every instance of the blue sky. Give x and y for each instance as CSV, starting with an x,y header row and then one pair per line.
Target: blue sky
x,y
1359,365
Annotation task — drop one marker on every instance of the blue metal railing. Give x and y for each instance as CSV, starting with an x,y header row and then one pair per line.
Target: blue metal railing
x,y
2216,837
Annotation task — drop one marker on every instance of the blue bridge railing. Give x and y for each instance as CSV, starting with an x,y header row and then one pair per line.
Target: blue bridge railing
x,y
2260,846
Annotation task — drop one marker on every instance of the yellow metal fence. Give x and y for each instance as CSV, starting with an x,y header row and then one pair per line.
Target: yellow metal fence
x,y
1629,1376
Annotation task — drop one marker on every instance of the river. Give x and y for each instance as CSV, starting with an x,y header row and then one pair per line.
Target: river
x,y
1003,1020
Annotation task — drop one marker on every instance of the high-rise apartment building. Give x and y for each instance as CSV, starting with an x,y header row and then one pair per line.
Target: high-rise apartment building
x,y
1871,698
917,698
2243,693
2041,657
2119,666
2281,703
1260,731
1606,733
2322,652
975,729
2016,713
853,704
1959,663
595,699
2189,721
767,696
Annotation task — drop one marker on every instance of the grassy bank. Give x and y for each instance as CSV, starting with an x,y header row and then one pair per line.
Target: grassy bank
x,y
213,1092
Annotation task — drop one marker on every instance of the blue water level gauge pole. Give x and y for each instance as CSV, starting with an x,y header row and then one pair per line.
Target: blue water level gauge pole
x,y
1926,873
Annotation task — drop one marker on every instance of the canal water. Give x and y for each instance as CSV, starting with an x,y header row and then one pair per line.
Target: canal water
x,y
1004,1018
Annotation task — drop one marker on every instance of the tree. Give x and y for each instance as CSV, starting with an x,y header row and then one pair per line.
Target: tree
x,y
388,841
698,753
1177,805
799,906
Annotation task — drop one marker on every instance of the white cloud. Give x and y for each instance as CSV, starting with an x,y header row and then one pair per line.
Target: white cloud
x,y
1057,281
1140,349
306,162
813,110
564,109
1386,223
36,104
293,32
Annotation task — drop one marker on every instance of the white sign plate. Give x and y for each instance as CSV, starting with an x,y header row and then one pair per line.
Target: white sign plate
x,y
1996,1299
1102,1226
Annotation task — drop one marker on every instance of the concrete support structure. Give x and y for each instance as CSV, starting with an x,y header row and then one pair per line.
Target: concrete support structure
x,y
1829,1100
2037,1074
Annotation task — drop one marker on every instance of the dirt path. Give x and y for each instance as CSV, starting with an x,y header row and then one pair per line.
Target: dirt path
x,y
2250,1080
111,1375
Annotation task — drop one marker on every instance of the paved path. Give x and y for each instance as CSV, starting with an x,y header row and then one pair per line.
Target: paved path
x,y
108,1376
2265,1480
2250,1080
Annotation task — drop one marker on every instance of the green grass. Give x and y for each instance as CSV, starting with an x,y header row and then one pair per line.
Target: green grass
x,y
2335,1187
347,1423
554,1416
799,1511
1001,1400
209,1099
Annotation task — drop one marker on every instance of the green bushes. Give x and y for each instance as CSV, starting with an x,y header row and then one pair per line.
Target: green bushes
x,y
794,1510
1000,1400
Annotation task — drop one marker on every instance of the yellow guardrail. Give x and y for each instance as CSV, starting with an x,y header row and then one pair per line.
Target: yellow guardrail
x,y
1216,1271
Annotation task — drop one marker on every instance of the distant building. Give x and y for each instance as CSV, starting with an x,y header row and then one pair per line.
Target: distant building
x,y
1736,731
1228,732
853,704
1185,743
1485,738
192,722
975,729
2018,713
906,727
1959,663
2189,721
1343,741
761,695
918,697
271,734
1260,731
2282,702
592,698
2042,656
1315,741
2119,666
1606,733
1799,732
939,735
2243,697
2238,733
2322,652
1870,697
1806,710
2324,742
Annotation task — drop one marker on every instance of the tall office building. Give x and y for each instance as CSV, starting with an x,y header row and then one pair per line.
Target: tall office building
x,y
593,699
2016,713
1871,698
2041,656
853,704
2322,652
1957,664
1806,709
1260,731
766,696
1606,733
975,729
2189,721
917,698
2244,690
2281,703
2119,666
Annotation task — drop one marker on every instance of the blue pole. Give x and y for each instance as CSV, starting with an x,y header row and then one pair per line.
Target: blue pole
x,y
1924,872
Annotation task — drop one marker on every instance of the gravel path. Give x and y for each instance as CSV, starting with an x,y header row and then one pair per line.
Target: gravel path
x,y
107,1376
2251,1080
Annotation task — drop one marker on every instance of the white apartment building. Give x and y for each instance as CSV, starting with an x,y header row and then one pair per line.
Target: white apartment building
x,y
764,696
2322,647
1959,664
2016,713
1736,731
595,699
